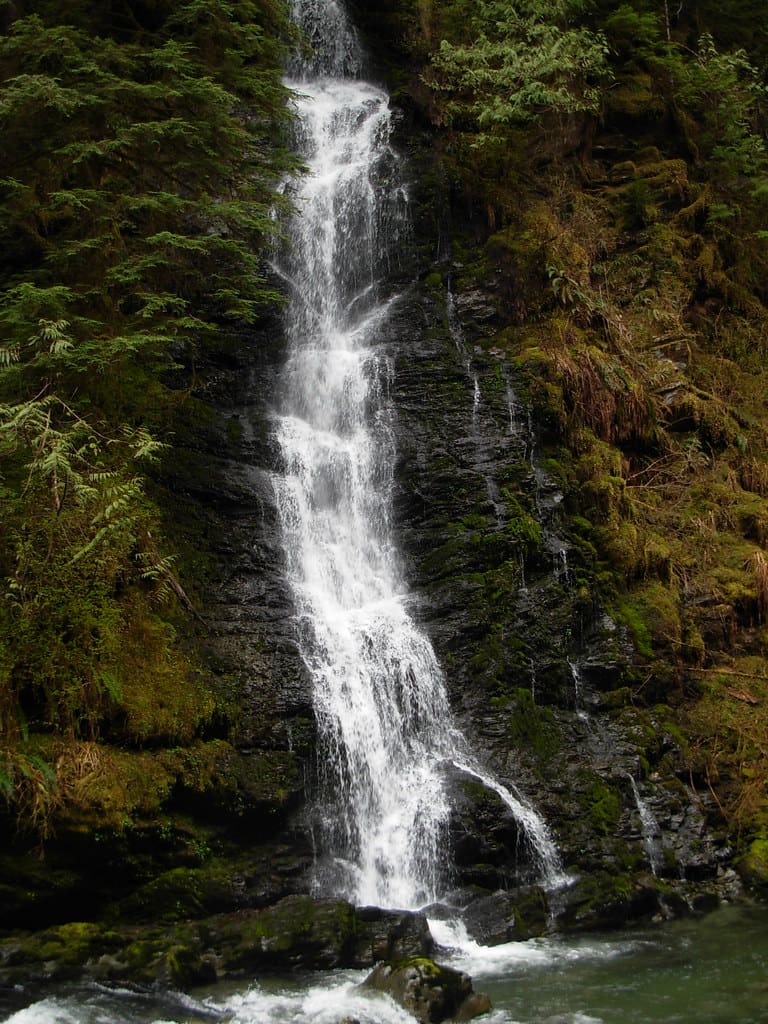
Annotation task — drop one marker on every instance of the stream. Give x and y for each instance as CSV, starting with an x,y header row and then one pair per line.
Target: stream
x,y
712,970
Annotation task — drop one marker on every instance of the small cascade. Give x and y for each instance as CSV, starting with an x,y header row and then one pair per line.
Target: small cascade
x,y
576,676
454,327
333,49
476,431
476,397
387,739
563,569
650,829
542,846
517,430
523,588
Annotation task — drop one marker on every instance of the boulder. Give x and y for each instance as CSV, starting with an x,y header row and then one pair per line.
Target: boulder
x,y
429,991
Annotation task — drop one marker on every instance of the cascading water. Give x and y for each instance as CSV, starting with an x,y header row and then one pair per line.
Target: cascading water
x,y
384,724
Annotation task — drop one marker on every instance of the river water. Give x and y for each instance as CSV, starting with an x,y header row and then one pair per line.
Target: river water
x,y
706,971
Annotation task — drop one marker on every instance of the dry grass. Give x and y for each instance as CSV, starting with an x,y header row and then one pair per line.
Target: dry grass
x,y
604,396
758,564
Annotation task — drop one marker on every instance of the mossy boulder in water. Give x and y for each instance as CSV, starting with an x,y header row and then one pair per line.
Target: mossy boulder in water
x,y
429,991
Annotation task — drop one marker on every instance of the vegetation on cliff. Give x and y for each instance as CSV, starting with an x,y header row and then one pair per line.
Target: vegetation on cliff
x,y
608,164
616,175
142,152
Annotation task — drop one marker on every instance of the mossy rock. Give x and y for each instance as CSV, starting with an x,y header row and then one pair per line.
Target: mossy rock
x,y
182,893
604,808
609,900
57,953
296,932
429,991
753,866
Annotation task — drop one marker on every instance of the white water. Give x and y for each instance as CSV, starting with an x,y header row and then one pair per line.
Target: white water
x,y
385,726
709,970
650,829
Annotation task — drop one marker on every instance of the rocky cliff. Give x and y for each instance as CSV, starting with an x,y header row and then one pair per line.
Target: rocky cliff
x,y
579,492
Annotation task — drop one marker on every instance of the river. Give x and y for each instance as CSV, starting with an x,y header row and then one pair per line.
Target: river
x,y
712,970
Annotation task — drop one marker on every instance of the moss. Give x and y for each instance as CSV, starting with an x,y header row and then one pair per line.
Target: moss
x,y
180,894
620,698
652,614
633,618
619,543
423,964
604,808
753,865
162,696
532,728
63,948
110,787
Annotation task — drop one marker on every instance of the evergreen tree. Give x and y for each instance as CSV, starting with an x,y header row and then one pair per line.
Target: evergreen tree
x,y
140,162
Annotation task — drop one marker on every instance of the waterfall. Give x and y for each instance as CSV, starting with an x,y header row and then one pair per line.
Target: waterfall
x,y
649,827
385,729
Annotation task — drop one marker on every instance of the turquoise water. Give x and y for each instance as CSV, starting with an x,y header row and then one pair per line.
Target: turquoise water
x,y
708,971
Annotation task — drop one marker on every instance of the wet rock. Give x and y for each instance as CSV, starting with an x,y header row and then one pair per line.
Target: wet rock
x,y
390,935
604,900
488,846
296,933
505,916
429,991
300,932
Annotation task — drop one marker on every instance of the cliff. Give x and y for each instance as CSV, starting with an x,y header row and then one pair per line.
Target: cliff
x,y
578,344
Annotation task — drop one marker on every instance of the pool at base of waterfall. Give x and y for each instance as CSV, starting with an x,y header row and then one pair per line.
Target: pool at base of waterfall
x,y
711,970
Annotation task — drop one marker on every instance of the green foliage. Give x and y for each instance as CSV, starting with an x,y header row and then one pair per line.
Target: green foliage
x,y
141,158
725,96
521,60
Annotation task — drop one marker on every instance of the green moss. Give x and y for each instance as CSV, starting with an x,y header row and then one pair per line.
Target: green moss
x,y
180,894
604,808
620,698
652,614
632,617
425,966
63,947
619,544
753,865
531,727
522,527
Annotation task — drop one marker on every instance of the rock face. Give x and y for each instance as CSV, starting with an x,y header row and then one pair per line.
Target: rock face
x,y
429,991
296,933
540,677
222,490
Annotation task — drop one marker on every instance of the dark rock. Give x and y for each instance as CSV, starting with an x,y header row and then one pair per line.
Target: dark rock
x,y
300,932
297,933
390,935
505,916
488,846
753,866
429,991
603,900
